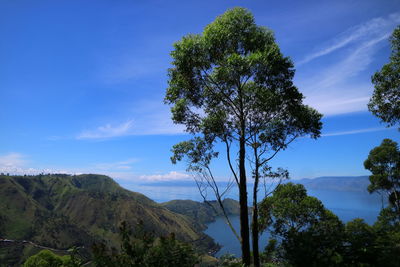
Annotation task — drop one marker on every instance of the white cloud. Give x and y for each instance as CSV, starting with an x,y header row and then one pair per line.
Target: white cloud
x,y
355,62
107,131
375,27
12,160
366,130
335,103
149,118
340,87
16,164
171,176
120,165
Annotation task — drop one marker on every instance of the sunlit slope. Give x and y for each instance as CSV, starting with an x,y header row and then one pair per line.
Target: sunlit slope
x,y
61,211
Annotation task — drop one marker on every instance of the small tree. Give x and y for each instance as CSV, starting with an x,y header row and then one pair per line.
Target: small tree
x,y
360,244
309,234
385,101
231,85
384,163
140,248
387,231
46,258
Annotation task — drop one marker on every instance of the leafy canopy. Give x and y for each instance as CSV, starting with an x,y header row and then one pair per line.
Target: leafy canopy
x,y
46,258
140,248
384,163
303,226
385,101
232,81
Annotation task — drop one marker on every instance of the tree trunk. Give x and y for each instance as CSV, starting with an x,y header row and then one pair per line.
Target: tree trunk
x,y
244,214
254,230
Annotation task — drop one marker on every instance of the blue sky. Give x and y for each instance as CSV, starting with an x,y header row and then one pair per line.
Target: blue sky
x,y
82,82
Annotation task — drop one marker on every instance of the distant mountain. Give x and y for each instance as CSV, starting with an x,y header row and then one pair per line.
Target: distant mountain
x,y
338,183
61,211
202,212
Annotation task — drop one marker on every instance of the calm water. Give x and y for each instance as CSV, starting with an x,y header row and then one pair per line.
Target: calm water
x,y
345,204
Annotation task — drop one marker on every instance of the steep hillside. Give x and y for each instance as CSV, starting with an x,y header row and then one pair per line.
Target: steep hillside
x,y
61,211
202,212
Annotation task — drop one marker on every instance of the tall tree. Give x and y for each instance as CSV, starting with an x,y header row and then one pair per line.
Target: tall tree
x,y
385,101
232,85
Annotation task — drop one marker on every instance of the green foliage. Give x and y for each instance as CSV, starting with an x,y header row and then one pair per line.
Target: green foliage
x,y
304,227
202,212
360,243
387,231
141,248
270,252
61,211
376,245
229,260
384,163
233,76
385,101
46,258
232,85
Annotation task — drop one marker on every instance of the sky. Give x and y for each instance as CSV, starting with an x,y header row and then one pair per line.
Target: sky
x,y
82,83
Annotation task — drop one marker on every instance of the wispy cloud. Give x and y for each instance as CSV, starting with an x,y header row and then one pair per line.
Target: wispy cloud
x,y
358,131
119,165
355,62
369,30
170,176
148,118
12,159
341,87
108,131
337,102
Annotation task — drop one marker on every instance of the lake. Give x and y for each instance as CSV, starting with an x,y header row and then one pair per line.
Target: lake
x,y
347,205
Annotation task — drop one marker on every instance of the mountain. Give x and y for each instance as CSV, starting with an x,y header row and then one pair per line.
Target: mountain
x,y
202,212
61,211
338,183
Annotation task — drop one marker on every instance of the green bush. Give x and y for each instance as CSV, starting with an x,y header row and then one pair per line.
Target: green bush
x,y
46,258
141,248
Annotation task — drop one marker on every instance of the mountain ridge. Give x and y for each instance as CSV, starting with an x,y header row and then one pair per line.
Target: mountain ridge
x,y
62,211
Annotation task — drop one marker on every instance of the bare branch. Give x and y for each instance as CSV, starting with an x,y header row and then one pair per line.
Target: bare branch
x,y
228,155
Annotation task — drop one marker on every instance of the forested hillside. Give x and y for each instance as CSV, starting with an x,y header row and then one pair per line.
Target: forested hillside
x,y
62,211
202,212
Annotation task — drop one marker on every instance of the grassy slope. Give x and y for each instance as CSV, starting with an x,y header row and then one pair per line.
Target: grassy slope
x,y
62,211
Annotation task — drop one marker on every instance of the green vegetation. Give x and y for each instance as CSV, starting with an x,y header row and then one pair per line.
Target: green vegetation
x,y
46,258
302,226
62,211
202,212
385,101
141,248
384,163
232,85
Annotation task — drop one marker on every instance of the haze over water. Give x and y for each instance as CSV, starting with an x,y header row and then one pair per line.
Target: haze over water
x,y
347,205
